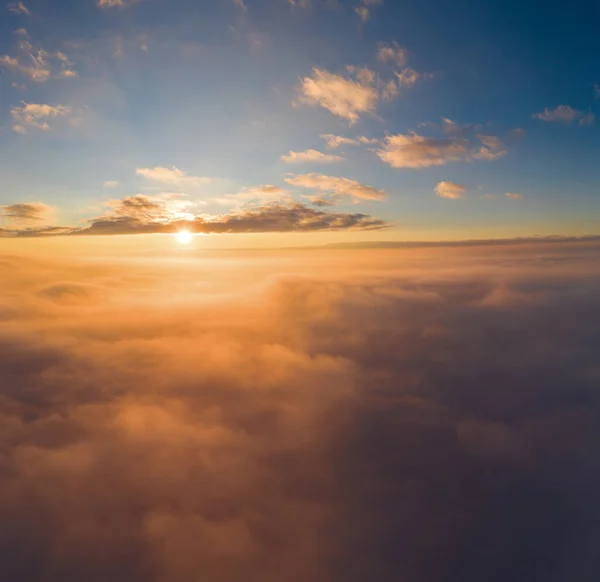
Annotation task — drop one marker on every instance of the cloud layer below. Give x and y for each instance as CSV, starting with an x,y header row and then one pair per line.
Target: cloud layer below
x,y
335,416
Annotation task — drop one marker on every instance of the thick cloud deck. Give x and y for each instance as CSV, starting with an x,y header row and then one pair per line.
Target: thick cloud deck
x,y
328,416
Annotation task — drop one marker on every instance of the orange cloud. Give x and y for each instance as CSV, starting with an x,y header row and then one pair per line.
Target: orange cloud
x,y
260,416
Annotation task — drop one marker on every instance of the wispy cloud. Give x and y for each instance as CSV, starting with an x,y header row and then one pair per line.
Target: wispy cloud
x,y
514,195
19,8
364,10
256,196
36,63
171,176
116,3
565,114
336,141
313,156
27,213
392,54
450,190
337,188
35,116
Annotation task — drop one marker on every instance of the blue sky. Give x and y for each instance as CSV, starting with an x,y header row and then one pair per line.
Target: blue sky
x,y
219,93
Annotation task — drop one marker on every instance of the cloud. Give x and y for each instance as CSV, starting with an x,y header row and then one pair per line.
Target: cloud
x,y
310,156
112,184
19,8
514,195
240,4
171,213
275,217
335,141
116,3
25,214
160,209
565,114
171,176
36,63
35,116
267,416
343,97
364,12
418,151
408,78
353,98
450,190
518,133
257,196
587,119
338,188
392,54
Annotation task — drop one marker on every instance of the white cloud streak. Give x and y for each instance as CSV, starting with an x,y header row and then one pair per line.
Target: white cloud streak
x,y
171,176
337,187
311,156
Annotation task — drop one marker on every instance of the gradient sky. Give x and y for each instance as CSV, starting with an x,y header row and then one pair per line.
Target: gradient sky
x,y
477,119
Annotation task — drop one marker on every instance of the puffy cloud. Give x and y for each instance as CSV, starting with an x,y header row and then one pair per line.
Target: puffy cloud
x,y
450,190
36,63
311,156
565,114
343,97
337,187
231,425
35,116
27,213
171,176
514,195
418,151
19,8
335,141
393,54
358,96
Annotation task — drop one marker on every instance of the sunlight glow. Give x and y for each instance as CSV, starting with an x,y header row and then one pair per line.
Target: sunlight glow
x,y
184,237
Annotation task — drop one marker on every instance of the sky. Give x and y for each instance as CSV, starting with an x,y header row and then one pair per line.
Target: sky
x,y
299,122
299,291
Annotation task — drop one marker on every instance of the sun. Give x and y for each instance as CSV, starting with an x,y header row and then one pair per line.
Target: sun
x,y
184,237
